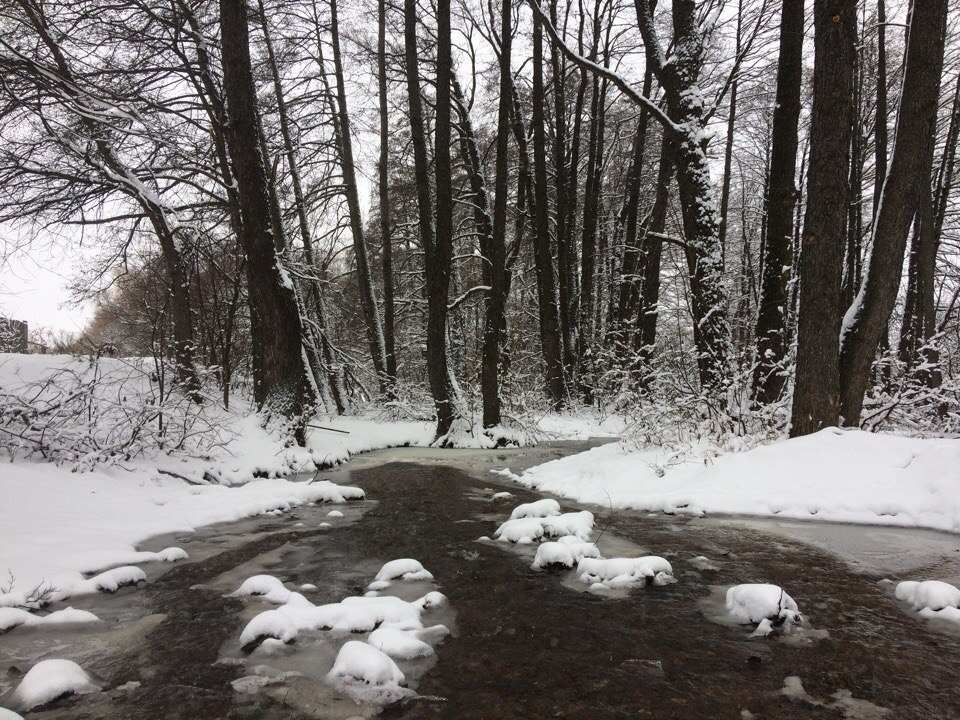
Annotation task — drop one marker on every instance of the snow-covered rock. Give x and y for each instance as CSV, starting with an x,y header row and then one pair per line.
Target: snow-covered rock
x,y
502,495
566,551
532,529
361,662
334,514
401,569
269,624
431,600
110,581
266,586
172,554
399,644
51,679
625,572
536,509
928,594
9,715
754,603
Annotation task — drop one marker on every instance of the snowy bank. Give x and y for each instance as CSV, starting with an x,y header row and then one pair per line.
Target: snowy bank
x,y
833,475
56,525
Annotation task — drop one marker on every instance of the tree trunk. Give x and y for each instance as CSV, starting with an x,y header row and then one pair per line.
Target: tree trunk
x,y
368,300
816,395
281,384
769,377
867,318
386,244
437,249
495,325
728,148
679,79
880,131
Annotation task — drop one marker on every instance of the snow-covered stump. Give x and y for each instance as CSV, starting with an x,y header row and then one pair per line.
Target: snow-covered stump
x,y
767,607
51,680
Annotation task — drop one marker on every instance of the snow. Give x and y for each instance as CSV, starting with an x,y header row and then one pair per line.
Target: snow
x,y
335,514
833,475
269,624
530,529
11,618
360,663
9,715
62,525
567,551
502,495
931,595
761,602
400,644
401,569
267,586
50,679
537,509
625,572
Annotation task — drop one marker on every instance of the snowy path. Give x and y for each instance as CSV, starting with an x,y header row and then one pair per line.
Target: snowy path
x,y
525,645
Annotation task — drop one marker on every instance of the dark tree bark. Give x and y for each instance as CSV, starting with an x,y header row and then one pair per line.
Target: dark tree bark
x,y
853,250
679,80
368,299
281,385
495,324
437,248
867,318
816,395
320,354
769,377
383,177
645,336
919,312
551,342
880,131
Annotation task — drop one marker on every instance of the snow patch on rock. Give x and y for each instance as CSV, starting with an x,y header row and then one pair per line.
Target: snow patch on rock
x,y
762,604
51,679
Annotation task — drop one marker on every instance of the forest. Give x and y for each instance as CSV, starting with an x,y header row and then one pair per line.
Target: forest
x,y
724,218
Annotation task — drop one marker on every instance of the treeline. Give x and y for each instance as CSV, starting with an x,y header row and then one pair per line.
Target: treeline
x,y
737,215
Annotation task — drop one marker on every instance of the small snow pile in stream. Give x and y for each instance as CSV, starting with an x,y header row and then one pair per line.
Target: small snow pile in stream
x,y
625,572
401,569
367,674
566,552
767,606
11,618
537,509
932,599
51,679
365,671
525,530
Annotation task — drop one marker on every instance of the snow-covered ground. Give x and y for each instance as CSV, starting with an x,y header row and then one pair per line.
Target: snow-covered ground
x,y
833,475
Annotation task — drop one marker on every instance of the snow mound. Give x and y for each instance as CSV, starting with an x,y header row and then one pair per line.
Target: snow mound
x,y
625,572
9,715
325,491
172,554
401,569
269,624
536,509
11,618
502,495
51,679
335,514
110,581
400,644
567,551
930,595
362,662
432,599
266,586
532,529
763,604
